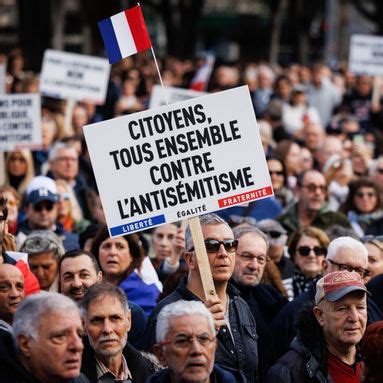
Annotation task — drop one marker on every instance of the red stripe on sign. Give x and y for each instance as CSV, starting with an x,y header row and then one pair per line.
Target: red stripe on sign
x,y
245,197
138,28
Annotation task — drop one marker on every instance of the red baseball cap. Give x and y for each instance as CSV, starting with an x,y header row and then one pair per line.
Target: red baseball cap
x,y
336,285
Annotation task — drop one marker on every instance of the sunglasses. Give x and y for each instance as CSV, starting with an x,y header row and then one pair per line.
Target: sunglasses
x,y
367,194
213,245
304,251
273,234
41,207
278,173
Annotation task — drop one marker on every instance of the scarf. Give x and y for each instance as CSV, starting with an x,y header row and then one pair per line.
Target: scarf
x,y
301,283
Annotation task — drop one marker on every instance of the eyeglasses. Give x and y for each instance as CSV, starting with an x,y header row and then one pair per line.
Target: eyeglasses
x,y
213,245
185,341
305,251
261,259
343,267
278,173
273,234
313,188
367,194
43,206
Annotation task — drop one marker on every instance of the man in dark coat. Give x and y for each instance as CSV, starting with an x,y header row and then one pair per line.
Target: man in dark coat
x,y
343,253
107,355
325,348
237,337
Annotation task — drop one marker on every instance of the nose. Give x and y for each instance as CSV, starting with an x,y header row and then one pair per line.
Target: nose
x,y
195,347
353,314
39,272
76,281
222,251
14,292
76,344
107,327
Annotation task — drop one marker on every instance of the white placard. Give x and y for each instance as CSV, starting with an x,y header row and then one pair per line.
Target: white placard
x,y
20,121
73,76
179,161
173,95
366,55
2,78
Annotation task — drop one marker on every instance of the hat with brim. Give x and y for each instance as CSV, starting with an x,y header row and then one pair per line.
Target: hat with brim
x,y
40,195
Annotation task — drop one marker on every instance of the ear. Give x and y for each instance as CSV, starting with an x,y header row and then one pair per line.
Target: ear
x,y
24,345
318,312
324,266
190,260
99,276
159,353
129,321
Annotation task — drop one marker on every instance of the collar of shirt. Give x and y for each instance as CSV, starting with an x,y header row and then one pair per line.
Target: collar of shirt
x,y
124,373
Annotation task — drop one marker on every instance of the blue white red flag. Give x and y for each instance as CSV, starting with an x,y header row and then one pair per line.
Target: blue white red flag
x,y
125,34
202,76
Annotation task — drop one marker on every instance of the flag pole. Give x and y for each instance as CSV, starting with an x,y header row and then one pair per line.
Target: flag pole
x,y
159,75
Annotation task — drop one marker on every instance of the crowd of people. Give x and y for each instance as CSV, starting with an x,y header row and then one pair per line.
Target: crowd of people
x,y
298,276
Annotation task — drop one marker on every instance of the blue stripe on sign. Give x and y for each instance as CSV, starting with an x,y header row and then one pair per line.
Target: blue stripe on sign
x,y
138,225
110,40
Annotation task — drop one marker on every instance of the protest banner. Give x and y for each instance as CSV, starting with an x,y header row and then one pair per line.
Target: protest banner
x,y
173,94
73,76
178,161
2,78
366,55
20,121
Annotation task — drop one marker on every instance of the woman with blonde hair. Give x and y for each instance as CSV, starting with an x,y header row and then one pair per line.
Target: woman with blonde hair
x,y
19,169
69,211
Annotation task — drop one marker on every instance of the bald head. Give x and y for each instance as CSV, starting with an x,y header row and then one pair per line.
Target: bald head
x,y
11,291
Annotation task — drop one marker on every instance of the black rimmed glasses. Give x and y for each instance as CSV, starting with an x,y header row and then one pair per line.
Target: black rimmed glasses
x,y
305,251
344,267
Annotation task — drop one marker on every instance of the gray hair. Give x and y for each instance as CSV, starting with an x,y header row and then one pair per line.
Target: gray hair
x,y
53,152
32,309
178,309
239,231
41,241
100,290
206,219
347,243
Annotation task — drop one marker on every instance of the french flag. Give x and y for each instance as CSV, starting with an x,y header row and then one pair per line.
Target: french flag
x,y
202,76
125,34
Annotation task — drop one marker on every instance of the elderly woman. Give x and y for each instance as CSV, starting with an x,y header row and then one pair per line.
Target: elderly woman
x,y
364,207
123,263
308,249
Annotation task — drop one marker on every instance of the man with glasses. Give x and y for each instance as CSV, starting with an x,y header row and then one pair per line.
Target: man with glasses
x,y
236,330
108,356
264,300
41,212
186,344
343,254
311,208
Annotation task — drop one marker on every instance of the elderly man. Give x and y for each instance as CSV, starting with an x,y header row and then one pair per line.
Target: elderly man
x,y
343,253
44,250
107,355
237,338
325,347
311,208
47,334
186,344
41,212
11,294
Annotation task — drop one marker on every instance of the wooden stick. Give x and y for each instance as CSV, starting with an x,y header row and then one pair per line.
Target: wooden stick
x,y
202,259
69,107
376,91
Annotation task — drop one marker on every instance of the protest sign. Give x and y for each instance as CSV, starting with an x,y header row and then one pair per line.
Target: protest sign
x,y
2,78
20,121
366,55
173,95
73,76
178,161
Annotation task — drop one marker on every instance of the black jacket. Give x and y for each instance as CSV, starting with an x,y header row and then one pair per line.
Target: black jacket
x,y
306,360
218,375
283,326
265,302
229,356
11,370
138,365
